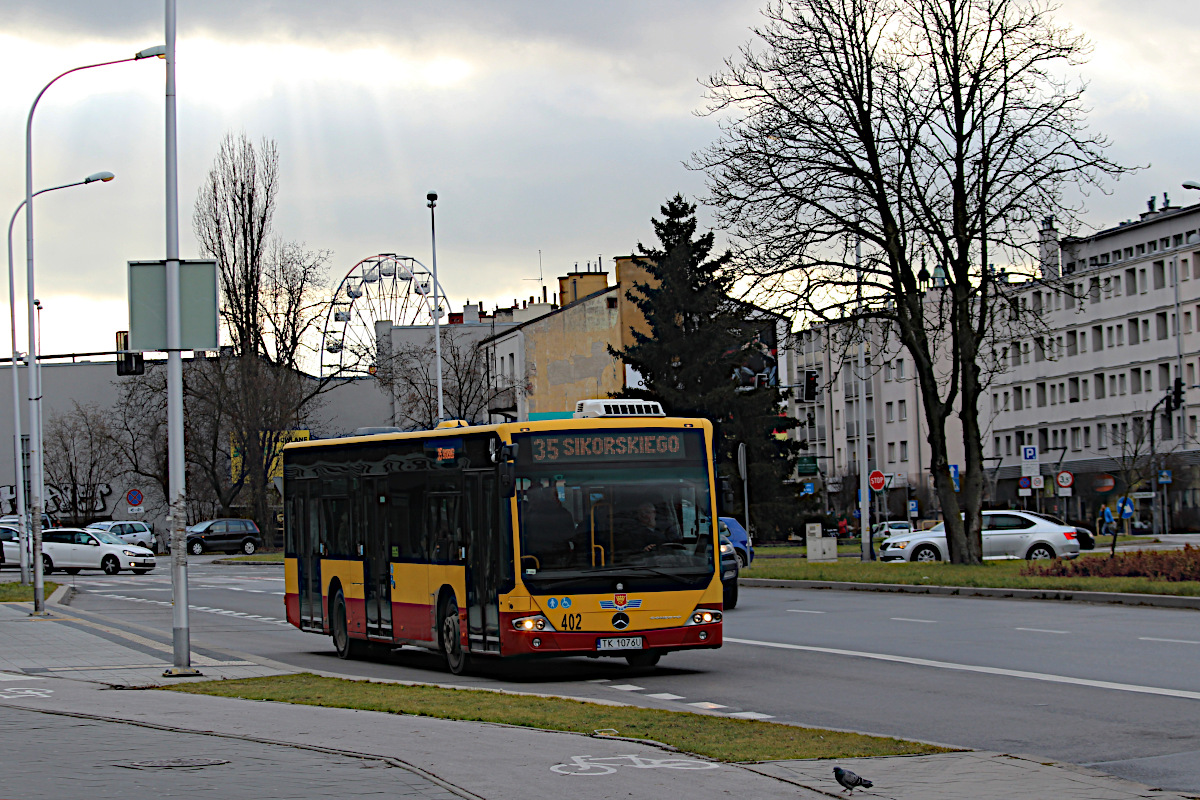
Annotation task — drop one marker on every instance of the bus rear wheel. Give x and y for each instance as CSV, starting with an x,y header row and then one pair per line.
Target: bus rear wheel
x,y
345,646
456,658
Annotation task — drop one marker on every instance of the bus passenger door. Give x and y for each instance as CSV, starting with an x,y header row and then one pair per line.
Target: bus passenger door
x,y
483,561
308,557
377,573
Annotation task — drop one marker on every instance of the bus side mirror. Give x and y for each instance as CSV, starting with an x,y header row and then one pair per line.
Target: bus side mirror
x,y
508,479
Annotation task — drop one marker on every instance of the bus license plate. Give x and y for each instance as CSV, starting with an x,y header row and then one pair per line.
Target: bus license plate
x,y
622,643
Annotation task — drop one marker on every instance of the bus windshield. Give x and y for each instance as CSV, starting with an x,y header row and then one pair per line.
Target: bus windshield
x,y
583,527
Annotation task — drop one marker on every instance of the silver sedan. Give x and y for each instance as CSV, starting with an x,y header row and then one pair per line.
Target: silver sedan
x,y
1006,534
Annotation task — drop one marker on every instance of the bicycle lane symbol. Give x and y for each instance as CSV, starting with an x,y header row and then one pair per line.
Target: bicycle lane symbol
x,y
607,765
18,693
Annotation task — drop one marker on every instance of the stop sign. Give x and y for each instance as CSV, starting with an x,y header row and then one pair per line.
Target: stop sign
x,y
876,480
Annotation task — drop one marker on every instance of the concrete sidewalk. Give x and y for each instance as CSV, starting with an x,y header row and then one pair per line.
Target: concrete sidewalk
x,y
74,736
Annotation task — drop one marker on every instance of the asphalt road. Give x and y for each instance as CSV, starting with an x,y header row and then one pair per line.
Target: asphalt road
x,y
1112,687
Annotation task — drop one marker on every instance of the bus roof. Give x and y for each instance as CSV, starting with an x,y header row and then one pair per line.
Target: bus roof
x,y
506,430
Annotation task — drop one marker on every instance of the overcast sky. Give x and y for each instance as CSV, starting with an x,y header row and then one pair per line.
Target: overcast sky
x,y
550,126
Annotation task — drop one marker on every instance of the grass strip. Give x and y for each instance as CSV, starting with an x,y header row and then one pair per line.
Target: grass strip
x,y
269,558
18,593
716,737
992,574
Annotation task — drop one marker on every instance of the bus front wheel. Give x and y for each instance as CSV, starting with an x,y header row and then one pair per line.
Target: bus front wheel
x,y
452,649
645,659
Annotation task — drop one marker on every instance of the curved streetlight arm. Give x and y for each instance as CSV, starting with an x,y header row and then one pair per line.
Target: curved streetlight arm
x,y
36,474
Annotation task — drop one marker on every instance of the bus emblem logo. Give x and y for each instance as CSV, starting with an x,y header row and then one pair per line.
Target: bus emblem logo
x,y
620,602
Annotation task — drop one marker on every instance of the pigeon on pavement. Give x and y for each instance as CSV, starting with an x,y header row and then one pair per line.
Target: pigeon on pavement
x,y
850,780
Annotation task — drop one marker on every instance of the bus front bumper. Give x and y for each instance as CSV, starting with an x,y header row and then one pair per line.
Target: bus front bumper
x,y
595,643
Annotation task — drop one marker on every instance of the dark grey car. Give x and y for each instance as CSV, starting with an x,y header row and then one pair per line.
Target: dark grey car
x,y
228,535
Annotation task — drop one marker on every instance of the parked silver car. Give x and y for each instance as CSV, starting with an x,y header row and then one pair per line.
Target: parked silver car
x,y
131,531
1006,534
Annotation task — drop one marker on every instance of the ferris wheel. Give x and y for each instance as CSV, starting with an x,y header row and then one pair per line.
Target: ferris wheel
x,y
382,287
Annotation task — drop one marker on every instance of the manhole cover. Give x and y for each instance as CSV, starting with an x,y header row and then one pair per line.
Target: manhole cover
x,y
179,763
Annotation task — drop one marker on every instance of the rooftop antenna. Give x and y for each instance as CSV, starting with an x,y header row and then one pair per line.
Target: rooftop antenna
x,y
541,281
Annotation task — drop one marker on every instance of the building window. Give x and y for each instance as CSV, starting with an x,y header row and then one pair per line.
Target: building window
x,y
1099,381
1087,437
1108,336
904,450
1076,441
1120,335
1121,383
1187,322
1017,397
1073,390
1133,331
996,451
1160,275
891,452
1072,344
837,418
1164,377
1160,320
1135,381
1130,281
1097,338
890,409
1041,395
903,409
1008,444
1101,430
1142,281
900,369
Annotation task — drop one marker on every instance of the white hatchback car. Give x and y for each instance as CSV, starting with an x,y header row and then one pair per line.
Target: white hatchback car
x,y
130,531
73,549
1006,534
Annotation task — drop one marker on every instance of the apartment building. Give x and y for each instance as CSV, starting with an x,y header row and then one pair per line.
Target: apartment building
x,y
1101,349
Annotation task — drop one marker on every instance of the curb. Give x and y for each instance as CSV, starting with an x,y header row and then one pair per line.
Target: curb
x,y
1115,598
62,595
229,562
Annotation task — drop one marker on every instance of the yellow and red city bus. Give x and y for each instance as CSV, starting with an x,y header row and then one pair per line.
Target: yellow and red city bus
x,y
590,536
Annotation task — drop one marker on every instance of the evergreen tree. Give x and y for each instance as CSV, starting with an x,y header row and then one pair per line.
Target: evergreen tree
x,y
698,336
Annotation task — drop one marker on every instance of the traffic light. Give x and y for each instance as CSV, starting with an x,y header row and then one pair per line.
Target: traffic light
x,y
1177,394
128,363
810,386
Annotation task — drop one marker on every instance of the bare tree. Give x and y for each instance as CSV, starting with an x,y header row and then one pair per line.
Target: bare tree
x,y
79,461
408,371
272,302
922,129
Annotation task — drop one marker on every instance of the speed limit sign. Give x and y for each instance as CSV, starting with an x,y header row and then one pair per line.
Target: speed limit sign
x,y
1064,479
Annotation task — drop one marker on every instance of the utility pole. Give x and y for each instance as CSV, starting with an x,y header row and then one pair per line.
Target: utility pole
x,y
180,628
864,490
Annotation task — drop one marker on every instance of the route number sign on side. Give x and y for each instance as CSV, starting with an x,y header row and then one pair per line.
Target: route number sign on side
x,y
877,481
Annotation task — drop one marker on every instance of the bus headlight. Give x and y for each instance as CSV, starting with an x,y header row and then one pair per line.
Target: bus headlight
x,y
704,616
535,623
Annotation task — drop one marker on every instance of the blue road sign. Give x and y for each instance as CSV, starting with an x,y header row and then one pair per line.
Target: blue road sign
x,y
954,475
809,488
856,514
912,508
1164,476
1124,507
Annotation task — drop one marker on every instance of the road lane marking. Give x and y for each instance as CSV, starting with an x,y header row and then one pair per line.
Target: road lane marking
x,y
804,611
1176,641
751,715
909,619
1039,630
628,687
222,611
1008,673
11,676
666,696
708,706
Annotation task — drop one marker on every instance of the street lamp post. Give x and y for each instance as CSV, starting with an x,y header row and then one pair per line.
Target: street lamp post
x,y
36,490
16,389
437,308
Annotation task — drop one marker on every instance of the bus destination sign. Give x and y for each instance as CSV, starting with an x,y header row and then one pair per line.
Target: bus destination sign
x,y
557,448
